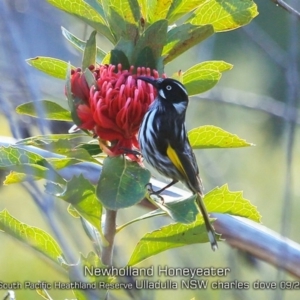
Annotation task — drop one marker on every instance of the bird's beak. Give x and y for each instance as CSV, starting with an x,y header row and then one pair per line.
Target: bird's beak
x,y
149,80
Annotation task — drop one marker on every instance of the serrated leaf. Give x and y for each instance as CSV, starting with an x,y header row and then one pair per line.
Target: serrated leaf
x,y
15,177
81,194
34,237
26,172
122,183
209,136
52,66
87,13
182,38
60,163
29,163
204,76
89,54
151,42
80,44
51,110
181,7
221,200
224,14
169,237
218,200
123,17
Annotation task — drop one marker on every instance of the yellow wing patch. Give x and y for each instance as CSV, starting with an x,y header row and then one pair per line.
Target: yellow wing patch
x,y
175,160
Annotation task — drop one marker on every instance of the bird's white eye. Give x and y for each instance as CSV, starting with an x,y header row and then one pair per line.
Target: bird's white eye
x,y
168,87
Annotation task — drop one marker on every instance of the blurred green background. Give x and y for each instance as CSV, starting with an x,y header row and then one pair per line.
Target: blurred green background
x,y
258,52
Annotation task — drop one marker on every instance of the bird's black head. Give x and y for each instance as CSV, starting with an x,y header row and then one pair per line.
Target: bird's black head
x,y
168,89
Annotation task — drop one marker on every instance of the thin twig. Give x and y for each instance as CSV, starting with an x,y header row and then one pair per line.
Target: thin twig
x,y
287,7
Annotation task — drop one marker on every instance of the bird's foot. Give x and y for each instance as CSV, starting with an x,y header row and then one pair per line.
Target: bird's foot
x,y
152,192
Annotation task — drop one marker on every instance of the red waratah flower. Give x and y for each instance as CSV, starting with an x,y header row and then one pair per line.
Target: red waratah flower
x,y
114,107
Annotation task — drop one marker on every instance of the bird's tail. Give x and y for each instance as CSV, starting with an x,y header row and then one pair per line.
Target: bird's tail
x,y
210,230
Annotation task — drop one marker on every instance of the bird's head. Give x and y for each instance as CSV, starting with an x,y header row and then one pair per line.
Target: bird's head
x,y
171,91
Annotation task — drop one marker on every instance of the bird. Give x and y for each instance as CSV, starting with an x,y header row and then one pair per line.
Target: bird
x,y
164,143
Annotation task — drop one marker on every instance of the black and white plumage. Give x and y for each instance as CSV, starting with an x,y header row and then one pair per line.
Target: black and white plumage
x,y
164,143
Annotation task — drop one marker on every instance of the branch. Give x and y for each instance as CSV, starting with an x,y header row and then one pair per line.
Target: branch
x,y
260,242
288,8
240,233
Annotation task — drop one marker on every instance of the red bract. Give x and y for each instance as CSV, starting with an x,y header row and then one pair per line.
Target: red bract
x,y
114,107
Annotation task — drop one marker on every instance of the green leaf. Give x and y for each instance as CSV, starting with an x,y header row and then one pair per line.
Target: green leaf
x,y
151,43
221,200
34,237
51,66
26,172
157,10
122,183
182,38
224,14
81,194
168,237
92,149
122,53
29,163
80,44
218,200
119,57
151,214
40,140
86,13
209,136
89,54
181,7
75,274
51,110
123,17
60,163
106,59
180,210
73,212
204,76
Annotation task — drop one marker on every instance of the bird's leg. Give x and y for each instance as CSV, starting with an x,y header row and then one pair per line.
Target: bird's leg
x,y
157,193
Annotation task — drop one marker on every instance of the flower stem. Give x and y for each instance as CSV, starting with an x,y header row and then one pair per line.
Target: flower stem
x,y
109,231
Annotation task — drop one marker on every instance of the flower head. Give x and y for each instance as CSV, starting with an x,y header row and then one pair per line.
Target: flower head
x,y
114,107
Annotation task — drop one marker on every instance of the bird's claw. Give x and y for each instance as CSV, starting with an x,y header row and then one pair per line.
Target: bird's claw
x,y
152,192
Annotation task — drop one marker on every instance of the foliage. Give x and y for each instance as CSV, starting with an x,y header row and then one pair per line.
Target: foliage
x,y
142,33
